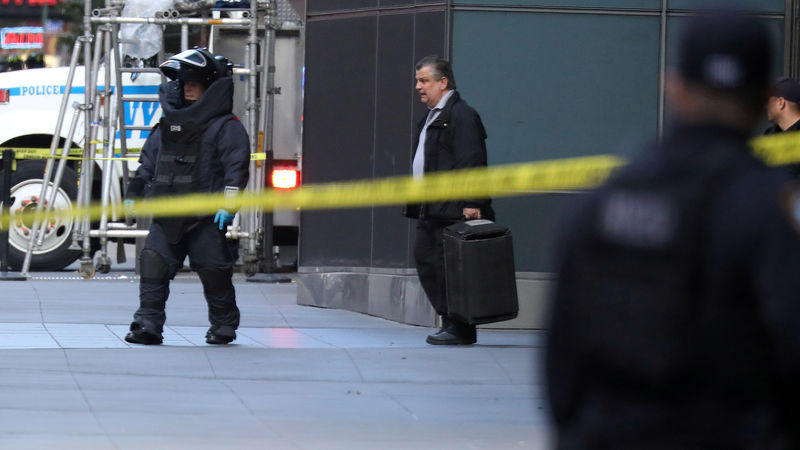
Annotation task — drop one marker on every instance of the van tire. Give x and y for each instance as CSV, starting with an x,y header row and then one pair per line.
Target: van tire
x,y
26,183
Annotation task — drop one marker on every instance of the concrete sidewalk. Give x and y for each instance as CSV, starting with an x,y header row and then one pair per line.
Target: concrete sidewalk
x,y
296,377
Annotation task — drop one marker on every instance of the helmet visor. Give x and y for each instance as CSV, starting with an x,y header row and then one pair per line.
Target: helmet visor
x,y
191,57
170,68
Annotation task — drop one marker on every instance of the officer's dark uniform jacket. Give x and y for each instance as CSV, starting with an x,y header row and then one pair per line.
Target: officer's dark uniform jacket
x,y
455,140
201,147
731,379
775,129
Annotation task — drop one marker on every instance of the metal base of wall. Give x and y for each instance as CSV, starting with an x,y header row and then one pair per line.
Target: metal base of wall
x,y
395,297
399,296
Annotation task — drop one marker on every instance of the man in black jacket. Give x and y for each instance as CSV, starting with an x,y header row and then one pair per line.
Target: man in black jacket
x,y
674,317
451,136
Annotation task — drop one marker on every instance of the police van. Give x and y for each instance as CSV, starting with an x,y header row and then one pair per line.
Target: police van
x,y
29,107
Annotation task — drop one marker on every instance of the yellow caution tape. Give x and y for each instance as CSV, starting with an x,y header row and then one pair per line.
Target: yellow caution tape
x,y
778,149
507,180
76,154
496,181
37,153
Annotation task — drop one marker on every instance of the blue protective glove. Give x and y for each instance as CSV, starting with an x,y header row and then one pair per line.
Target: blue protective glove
x,y
129,207
223,218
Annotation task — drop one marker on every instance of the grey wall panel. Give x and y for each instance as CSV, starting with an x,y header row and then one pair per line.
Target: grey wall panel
x,y
339,99
338,134
402,40
394,112
359,115
389,237
337,238
328,6
430,38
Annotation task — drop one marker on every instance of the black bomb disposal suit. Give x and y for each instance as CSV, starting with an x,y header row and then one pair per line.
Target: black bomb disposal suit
x,y
201,147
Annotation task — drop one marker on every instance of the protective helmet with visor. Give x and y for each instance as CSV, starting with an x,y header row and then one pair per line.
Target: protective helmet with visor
x,y
196,64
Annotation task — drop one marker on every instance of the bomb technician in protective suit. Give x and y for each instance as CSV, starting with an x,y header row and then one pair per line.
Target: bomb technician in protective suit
x,y
198,146
674,316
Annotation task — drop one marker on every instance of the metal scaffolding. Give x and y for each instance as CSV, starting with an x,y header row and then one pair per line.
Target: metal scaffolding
x,y
103,116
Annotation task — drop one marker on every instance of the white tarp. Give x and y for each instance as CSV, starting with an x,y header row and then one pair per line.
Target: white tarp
x,y
145,40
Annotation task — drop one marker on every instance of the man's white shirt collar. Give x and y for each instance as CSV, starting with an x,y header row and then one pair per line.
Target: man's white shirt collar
x,y
443,100
418,164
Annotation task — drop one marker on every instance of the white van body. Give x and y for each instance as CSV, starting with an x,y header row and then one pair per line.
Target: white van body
x,y
29,107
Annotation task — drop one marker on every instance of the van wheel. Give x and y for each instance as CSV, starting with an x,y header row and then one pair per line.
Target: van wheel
x,y
26,185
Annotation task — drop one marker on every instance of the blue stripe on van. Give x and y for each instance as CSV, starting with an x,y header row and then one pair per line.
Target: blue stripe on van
x,y
39,90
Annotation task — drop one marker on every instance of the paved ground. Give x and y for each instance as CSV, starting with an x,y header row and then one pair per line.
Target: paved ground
x,y
296,378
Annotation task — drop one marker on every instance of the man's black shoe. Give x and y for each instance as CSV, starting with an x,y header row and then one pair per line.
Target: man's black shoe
x,y
216,339
438,332
446,337
140,336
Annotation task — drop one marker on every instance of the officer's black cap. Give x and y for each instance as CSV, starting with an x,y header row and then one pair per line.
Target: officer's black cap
x,y
728,51
788,88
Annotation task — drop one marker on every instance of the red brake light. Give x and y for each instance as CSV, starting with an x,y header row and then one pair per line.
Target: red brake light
x,y
284,178
5,96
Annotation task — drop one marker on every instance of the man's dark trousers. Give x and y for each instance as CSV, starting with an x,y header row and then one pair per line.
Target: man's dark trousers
x,y
429,256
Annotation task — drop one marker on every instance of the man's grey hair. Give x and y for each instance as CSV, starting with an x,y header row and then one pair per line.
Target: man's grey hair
x,y
440,67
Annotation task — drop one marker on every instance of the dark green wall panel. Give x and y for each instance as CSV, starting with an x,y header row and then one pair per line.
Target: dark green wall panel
x,y
626,4
554,86
775,6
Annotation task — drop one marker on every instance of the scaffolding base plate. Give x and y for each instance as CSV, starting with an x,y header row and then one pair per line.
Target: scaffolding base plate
x,y
268,278
12,276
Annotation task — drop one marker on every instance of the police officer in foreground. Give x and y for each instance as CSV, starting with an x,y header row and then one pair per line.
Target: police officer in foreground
x,y
198,146
674,317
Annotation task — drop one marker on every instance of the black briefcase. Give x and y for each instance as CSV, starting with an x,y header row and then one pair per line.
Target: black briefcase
x,y
479,272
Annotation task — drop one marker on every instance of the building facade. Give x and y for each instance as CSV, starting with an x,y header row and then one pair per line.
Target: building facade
x,y
550,78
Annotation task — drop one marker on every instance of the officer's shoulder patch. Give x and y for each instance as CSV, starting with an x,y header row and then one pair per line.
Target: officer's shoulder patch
x,y
638,219
790,203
